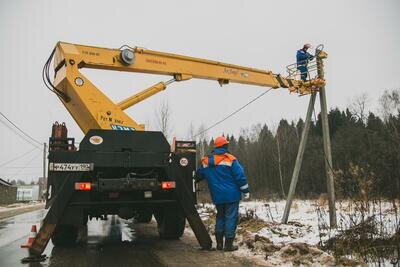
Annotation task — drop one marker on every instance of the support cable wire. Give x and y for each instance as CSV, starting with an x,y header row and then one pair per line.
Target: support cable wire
x,y
233,113
19,129
20,135
13,130
18,157
19,167
26,165
20,174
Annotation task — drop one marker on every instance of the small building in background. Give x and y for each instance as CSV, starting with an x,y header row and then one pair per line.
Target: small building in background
x,y
8,192
28,193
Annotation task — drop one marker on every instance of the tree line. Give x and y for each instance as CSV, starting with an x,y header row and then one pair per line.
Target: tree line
x,y
365,152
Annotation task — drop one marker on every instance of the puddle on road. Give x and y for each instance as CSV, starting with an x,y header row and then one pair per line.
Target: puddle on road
x,y
108,243
4,224
115,230
19,226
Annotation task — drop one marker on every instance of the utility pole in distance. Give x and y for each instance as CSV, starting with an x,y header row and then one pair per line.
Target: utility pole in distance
x,y
44,164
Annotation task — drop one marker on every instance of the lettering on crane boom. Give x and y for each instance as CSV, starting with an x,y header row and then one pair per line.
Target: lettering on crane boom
x,y
121,128
231,71
90,53
156,61
235,72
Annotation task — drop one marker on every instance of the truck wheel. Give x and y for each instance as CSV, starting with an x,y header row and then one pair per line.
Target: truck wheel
x,y
170,223
64,236
144,216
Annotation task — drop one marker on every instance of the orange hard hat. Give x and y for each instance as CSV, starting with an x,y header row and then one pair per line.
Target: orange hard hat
x,y
220,141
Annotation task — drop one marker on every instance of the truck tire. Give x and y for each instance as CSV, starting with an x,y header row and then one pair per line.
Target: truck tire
x,y
64,236
144,216
170,222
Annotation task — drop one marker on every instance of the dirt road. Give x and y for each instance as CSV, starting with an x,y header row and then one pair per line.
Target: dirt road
x,y
115,242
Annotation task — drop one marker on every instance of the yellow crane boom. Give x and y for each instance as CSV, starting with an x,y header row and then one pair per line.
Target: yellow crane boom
x,y
92,109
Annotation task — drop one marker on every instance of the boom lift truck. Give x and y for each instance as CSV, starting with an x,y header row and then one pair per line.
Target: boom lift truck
x,y
119,168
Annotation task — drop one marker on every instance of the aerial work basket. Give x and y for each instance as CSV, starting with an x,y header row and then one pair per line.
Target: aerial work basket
x,y
312,66
314,70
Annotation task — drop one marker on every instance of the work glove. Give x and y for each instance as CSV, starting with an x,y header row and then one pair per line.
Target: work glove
x,y
246,196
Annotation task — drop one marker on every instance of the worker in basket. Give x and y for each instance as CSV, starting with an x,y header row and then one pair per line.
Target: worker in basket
x,y
226,182
302,59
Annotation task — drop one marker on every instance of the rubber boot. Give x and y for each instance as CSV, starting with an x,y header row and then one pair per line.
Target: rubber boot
x,y
220,241
229,245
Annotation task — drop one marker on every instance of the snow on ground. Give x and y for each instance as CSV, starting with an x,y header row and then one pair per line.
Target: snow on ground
x,y
310,218
19,205
19,208
303,221
260,231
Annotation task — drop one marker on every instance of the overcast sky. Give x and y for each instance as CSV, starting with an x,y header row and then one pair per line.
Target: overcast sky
x,y
361,37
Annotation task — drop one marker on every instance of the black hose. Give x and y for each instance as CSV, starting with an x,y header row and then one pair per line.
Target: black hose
x,y
47,81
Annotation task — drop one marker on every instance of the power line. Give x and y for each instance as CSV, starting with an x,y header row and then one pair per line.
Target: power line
x,y
233,113
12,129
17,131
18,157
12,176
21,169
27,135
18,167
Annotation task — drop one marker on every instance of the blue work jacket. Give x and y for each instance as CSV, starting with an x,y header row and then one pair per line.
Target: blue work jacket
x,y
302,57
224,175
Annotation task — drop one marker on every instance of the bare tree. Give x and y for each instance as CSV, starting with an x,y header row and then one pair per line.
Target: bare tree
x,y
358,107
255,132
163,116
389,103
191,134
202,136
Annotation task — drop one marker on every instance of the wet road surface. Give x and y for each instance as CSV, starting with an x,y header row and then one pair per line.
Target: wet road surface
x,y
114,242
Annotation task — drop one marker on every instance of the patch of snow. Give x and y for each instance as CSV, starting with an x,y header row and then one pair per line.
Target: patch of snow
x,y
20,205
308,225
308,216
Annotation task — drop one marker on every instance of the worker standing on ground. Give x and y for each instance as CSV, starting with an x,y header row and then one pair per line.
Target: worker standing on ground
x,y
302,59
226,182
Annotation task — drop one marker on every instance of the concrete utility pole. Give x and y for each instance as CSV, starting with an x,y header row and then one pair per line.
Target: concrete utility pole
x,y
299,159
327,147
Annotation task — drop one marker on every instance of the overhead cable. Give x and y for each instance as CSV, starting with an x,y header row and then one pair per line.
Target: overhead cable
x,y
16,158
233,113
21,131
29,162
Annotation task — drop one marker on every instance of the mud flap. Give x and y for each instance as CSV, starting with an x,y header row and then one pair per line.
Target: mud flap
x,y
185,196
52,217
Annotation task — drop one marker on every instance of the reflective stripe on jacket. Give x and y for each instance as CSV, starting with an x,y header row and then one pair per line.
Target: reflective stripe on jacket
x,y
224,175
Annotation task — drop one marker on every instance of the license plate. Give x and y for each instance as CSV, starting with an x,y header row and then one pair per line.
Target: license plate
x,y
71,167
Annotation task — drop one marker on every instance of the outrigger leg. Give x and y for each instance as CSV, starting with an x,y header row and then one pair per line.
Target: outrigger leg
x,y
185,197
50,222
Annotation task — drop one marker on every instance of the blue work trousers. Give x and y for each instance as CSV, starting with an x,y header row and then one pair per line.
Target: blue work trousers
x,y
227,219
303,72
